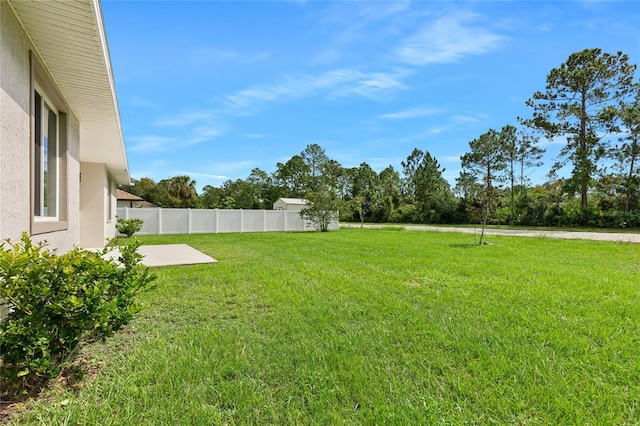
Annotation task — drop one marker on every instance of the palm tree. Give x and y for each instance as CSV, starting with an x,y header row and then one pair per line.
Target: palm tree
x,y
183,189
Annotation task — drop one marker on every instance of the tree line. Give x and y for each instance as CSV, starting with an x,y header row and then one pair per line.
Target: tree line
x,y
591,104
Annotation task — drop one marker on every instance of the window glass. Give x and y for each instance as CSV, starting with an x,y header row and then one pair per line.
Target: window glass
x,y
46,160
37,194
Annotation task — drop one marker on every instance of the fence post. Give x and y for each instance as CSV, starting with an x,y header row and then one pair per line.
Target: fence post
x,y
126,213
284,212
188,220
241,221
264,220
159,221
215,222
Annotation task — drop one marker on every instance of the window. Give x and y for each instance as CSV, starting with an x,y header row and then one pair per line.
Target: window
x,y
49,180
46,153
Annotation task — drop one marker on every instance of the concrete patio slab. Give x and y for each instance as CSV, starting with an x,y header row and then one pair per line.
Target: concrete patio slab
x,y
169,254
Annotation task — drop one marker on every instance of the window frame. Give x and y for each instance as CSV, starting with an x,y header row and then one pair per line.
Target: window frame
x,y
42,84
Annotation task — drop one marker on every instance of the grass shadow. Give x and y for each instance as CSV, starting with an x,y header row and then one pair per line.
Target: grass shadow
x,y
392,228
464,246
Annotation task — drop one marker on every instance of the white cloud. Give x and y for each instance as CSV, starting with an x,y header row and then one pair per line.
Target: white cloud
x,y
457,121
376,84
140,102
200,174
354,26
341,82
150,143
256,57
233,167
556,140
203,134
411,113
440,129
450,158
545,27
211,56
184,119
448,39
200,126
349,24
376,11
466,118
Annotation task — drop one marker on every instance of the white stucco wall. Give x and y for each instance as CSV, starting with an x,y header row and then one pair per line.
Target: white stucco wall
x,y
14,126
95,224
15,137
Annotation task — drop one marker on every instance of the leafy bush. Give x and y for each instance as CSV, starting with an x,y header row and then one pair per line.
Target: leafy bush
x,y
58,302
128,227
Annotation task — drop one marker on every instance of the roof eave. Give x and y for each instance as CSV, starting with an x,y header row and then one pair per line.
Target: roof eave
x,y
83,74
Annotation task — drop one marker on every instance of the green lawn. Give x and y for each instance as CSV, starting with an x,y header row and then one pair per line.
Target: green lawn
x,y
373,327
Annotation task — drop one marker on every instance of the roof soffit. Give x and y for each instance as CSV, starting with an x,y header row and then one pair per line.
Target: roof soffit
x,y
70,40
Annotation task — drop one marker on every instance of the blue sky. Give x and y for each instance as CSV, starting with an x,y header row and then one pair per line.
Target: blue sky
x,y
213,89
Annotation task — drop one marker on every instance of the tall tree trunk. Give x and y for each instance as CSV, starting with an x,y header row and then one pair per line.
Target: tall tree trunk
x,y
583,174
489,190
512,176
627,202
485,219
522,192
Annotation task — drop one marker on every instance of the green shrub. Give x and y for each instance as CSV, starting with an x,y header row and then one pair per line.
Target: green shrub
x,y
128,227
60,301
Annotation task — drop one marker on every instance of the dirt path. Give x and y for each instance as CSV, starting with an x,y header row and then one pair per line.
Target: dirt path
x,y
599,236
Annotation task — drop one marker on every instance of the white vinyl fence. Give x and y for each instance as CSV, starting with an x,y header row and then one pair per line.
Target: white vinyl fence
x,y
4,309
159,221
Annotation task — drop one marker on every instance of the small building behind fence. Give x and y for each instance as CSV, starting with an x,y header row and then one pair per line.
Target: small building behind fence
x,y
292,204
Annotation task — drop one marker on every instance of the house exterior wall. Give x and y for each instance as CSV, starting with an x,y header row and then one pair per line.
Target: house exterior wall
x,y
14,126
97,216
15,146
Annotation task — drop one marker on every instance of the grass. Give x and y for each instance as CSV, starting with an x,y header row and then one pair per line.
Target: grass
x,y
373,327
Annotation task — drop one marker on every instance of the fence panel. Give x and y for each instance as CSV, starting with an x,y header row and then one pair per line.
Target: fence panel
x,y
293,221
229,221
203,221
274,221
4,309
148,215
174,221
252,221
